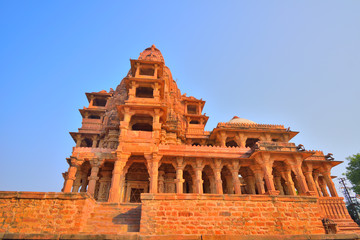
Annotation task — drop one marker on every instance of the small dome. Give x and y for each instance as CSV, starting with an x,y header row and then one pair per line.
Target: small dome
x,y
236,119
152,54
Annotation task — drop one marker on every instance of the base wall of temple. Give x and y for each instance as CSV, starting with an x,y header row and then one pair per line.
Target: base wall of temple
x,y
229,215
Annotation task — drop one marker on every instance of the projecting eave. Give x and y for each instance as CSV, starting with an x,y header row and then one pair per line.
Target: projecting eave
x,y
91,110
303,154
102,93
134,61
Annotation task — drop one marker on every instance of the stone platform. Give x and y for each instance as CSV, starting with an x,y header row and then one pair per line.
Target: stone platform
x,y
39,215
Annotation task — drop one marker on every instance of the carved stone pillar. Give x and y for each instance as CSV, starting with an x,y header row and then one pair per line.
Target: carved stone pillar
x,y
179,175
316,180
198,177
286,174
218,181
104,188
78,141
74,164
330,184
114,195
266,163
95,141
308,172
259,176
77,182
221,137
278,184
153,163
95,166
161,187
235,176
300,178
322,184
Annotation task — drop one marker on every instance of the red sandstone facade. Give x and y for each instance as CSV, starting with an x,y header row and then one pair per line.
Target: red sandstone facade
x,y
144,163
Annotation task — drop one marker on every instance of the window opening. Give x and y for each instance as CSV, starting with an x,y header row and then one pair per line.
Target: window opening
x,y
145,92
99,102
147,71
135,195
194,122
94,117
231,143
192,109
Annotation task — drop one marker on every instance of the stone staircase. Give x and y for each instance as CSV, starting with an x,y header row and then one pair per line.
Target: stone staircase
x,y
347,226
110,218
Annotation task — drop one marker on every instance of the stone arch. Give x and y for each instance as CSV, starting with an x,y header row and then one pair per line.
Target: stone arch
x,y
208,178
247,180
136,181
166,179
231,143
189,177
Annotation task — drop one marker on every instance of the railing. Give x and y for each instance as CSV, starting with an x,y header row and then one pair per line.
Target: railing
x,y
334,207
249,125
93,124
195,130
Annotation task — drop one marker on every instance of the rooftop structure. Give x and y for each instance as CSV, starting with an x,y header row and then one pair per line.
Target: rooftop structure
x,y
143,162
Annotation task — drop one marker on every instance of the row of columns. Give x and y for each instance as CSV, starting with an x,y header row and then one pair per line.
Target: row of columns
x,y
306,182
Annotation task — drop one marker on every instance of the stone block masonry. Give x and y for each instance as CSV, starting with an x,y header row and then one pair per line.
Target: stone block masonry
x,y
41,212
164,214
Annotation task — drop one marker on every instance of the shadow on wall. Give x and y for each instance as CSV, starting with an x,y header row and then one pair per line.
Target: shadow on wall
x,y
130,218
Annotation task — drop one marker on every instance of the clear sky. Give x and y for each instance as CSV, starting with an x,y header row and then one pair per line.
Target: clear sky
x,y
294,63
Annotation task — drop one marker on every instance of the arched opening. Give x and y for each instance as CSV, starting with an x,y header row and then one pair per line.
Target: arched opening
x,y
231,143
136,181
100,102
141,123
250,142
196,144
86,142
188,185
247,180
166,179
145,92
209,180
194,122
227,181
82,181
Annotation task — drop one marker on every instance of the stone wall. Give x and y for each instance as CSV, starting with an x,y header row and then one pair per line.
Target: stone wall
x,y
231,215
41,212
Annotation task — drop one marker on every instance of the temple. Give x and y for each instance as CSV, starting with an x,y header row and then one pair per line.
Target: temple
x,y
143,162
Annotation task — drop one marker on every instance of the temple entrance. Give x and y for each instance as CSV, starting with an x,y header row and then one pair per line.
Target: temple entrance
x,y
135,195
167,175
136,182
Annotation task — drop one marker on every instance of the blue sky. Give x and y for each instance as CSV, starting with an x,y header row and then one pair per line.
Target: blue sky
x,y
294,63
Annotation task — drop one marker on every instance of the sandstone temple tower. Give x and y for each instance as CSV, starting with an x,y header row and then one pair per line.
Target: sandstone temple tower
x,y
143,162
